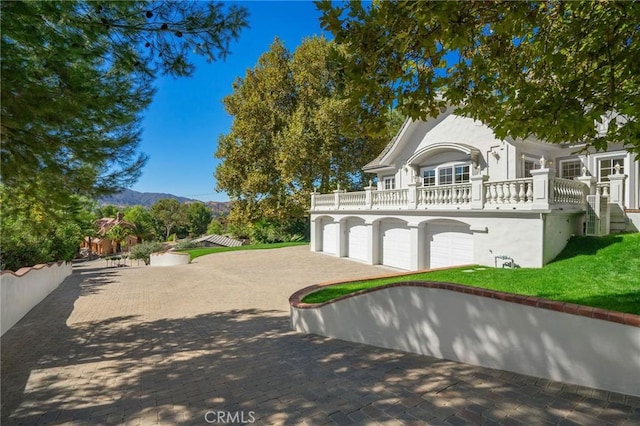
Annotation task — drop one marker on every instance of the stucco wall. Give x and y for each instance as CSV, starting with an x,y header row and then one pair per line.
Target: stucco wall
x,y
169,259
500,233
485,331
20,291
558,229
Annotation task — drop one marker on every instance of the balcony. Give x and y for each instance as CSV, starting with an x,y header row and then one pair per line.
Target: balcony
x,y
543,191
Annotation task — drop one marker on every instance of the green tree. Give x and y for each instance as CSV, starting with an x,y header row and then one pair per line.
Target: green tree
x,y
261,103
215,227
31,234
198,218
108,210
169,213
293,130
76,77
140,218
118,234
552,69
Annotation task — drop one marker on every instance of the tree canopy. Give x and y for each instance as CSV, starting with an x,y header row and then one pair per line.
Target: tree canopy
x,y
293,130
76,77
558,70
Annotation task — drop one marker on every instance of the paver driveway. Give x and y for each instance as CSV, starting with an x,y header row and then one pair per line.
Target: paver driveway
x,y
142,345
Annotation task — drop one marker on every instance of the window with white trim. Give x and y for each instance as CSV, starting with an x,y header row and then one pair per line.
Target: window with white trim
x,y
529,165
446,174
607,166
429,177
389,182
570,169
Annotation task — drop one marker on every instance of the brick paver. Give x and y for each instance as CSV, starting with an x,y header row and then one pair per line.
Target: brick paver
x,y
146,346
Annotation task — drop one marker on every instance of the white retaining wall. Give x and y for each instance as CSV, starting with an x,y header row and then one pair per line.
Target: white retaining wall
x,y
22,290
484,331
169,258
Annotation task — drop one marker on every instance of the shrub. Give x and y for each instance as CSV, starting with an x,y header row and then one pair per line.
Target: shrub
x,y
269,232
143,251
188,244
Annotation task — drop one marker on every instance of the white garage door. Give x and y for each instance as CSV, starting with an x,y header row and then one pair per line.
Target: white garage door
x,y
449,245
396,245
329,237
357,234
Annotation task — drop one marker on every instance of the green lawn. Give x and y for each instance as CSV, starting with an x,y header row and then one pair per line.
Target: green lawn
x,y
211,250
599,272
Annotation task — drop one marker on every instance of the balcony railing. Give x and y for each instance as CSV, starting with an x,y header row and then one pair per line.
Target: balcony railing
x,y
517,191
543,191
444,195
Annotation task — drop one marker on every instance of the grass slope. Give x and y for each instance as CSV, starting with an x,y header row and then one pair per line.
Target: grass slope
x,y
211,250
599,272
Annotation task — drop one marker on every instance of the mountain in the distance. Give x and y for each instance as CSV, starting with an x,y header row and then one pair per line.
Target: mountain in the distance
x,y
129,197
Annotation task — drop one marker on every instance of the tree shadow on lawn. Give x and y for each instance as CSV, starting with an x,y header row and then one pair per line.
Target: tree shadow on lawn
x,y
586,246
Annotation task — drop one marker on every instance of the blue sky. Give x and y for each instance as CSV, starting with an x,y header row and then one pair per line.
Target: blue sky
x,y
181,127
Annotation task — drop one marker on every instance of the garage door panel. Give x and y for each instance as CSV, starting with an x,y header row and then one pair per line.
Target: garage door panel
x,y
396,245
449,245
358,247
329,238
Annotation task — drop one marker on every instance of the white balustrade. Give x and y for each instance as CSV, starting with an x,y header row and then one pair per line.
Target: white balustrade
x,y
390,198
444,195
325,200
517,191
566,191
602,188
353,199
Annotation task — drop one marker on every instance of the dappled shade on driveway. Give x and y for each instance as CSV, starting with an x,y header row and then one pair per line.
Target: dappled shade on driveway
x,y
165,345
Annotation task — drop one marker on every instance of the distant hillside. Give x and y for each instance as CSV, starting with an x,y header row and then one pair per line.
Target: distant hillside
x,y
129,197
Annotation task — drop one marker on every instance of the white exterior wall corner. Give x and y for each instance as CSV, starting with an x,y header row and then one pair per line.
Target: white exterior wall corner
x,y
558,229
487,332
633,222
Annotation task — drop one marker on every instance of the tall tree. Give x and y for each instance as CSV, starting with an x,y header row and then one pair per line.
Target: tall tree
x,y
76,77
260,104
170,213
198,218
142,222
562,71
293,130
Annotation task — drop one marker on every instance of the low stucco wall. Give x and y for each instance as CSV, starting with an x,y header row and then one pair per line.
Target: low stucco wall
x,y
20,291
169,258
564,342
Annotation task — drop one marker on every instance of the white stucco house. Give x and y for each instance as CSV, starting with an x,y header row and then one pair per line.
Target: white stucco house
x,y
450,193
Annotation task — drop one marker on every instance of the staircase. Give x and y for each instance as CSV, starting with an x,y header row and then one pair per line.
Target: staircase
x,y
617,219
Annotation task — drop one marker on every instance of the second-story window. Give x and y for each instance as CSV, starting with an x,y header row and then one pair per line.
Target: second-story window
x,y
429,177
530,164
608,167
447,174
570,169
389,182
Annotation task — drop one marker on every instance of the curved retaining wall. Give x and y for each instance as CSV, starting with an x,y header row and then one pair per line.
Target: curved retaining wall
x,y
559,341
20,291
169,258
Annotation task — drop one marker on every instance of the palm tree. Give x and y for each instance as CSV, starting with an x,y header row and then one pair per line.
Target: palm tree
x,y
141,220
118,234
